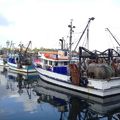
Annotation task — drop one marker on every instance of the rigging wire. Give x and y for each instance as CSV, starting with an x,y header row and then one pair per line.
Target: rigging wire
x,y
113,36
111,41
107,29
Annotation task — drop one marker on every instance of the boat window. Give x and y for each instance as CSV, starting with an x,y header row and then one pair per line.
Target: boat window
x,y
50,62
65,63
56,63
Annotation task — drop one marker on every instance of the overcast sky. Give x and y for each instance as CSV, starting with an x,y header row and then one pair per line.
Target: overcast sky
x,y
44,22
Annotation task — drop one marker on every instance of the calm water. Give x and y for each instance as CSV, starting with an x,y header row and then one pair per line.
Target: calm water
x,y
26,97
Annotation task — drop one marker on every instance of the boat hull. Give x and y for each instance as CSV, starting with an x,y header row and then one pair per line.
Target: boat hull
x,y
64,81
25,68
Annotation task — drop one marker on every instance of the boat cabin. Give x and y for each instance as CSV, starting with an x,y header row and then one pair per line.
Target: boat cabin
x,y
55,61
59,58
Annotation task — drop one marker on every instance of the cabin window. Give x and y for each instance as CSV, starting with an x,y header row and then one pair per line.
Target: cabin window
x,y
56,63
50,62
65,63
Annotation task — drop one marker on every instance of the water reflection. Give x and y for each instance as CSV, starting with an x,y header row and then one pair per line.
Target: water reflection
x,y
25,82
77,107
25,96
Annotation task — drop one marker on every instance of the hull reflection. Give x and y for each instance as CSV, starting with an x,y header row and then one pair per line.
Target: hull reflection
x,y
79,106
21,81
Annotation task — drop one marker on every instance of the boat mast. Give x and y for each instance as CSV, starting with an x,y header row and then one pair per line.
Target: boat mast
x,y
70,42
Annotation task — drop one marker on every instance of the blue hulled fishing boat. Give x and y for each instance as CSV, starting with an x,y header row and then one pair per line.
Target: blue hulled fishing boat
x,y
21,61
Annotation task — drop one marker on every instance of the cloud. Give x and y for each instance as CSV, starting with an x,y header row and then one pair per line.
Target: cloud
x,y
46,21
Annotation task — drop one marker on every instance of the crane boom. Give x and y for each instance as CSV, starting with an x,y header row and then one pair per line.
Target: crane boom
x,y
92,18
27,47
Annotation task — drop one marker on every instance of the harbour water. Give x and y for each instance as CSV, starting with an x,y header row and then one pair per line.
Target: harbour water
x,y
26,97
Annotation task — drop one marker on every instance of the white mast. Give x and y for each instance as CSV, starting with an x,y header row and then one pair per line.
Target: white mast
x,y
70,42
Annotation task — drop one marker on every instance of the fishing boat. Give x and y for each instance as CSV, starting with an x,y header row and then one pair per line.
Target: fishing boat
x,y
21,61
96,73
